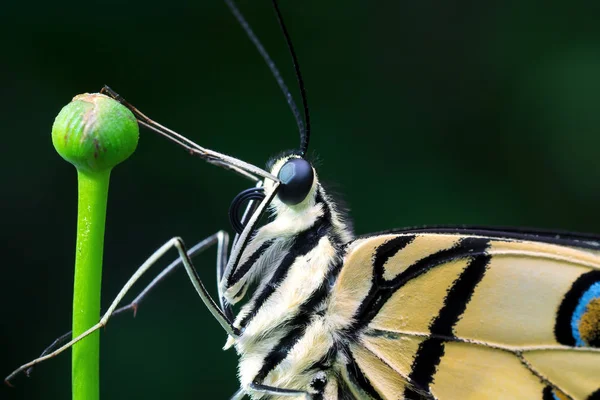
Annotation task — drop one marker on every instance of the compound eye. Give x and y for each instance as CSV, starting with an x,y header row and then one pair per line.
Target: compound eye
x,y
296,178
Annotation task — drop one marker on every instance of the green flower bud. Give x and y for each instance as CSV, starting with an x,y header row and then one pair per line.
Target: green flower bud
x,y
95,132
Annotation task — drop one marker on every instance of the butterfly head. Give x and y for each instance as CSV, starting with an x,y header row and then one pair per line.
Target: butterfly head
x,y
292,202
297,182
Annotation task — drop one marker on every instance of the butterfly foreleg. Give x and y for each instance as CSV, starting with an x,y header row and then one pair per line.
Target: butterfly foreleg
x,y
221,238
275,391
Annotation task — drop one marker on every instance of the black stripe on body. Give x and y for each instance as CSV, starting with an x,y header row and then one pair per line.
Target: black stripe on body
x,y
245,267
301,244
343,391
595,395
334,237
563,330
431,350
298,324
382,290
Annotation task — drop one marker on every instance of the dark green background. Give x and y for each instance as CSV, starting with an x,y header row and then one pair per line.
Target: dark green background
x,y
439,112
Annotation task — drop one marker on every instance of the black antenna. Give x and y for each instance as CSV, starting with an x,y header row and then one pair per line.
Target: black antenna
x,y
304,136
304,131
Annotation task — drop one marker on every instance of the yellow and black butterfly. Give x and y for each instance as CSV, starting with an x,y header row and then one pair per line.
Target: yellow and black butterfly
x,y
430,313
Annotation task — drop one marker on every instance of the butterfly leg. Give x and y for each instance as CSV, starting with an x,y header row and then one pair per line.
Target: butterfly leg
x,y
239,395
270,390
275,391
220,238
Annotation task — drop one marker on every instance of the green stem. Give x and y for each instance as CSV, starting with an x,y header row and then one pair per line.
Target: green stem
x,y
91,217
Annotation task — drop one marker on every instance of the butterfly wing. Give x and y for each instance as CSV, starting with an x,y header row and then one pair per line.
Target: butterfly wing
x,y
470,314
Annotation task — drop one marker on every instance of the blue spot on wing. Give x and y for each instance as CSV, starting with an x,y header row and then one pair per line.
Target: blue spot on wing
x,y
591,294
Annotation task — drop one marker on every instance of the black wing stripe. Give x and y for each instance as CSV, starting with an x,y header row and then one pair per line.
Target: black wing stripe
x,y
381,290
459,296
382,254
388,250
359,379
424,366
466,247
431,350
564,238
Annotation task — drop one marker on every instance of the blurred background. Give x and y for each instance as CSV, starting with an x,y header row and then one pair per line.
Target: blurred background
x,y
428,112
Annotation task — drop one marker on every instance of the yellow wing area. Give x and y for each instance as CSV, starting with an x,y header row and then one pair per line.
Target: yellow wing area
x,y
460,316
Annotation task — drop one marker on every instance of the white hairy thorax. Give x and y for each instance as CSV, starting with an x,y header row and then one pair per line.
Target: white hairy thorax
x,y
266,323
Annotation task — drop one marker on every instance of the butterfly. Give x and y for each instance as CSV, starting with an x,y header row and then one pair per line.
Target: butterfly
x,y
430,313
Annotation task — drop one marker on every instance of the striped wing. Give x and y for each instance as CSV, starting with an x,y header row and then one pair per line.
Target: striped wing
x,y
481,315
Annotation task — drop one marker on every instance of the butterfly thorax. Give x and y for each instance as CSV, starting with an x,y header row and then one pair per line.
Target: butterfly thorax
x,y
292,263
